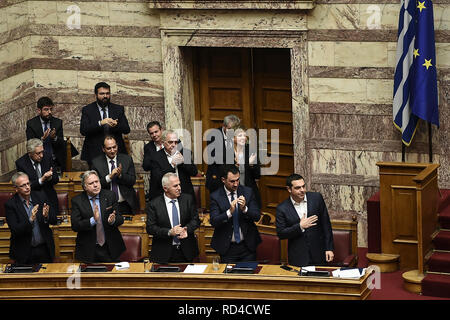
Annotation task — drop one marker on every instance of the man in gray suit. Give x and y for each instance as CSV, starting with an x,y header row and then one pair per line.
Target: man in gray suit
x,y
117,173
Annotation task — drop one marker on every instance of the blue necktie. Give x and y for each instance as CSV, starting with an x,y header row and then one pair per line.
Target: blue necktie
x,y
175,220
237,235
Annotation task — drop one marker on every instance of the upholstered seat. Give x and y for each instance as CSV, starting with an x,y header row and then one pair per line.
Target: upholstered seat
x,y
133,244
268,251
343,255
4,197
63,203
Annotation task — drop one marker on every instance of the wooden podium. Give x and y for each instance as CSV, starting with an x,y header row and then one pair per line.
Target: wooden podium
x,y
408,211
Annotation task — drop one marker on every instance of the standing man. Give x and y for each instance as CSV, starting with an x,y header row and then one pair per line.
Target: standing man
x,y
116,172
234,211
155,131
40,169
96,220
172,219
303,220
28,217
170,159
220,148
99,119
50,130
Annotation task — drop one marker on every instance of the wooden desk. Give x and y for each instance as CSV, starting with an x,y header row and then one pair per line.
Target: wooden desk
x,y
65,237
271,283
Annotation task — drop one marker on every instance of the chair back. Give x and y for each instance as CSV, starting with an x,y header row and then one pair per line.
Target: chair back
x,y
4,197
133,243
268,251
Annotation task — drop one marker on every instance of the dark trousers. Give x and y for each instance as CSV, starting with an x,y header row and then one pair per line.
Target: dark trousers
x,y
39,254
238,252
102,254
177,255
124,208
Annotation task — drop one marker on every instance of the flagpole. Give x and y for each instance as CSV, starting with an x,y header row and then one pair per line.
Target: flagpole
x,y
430,143
403,152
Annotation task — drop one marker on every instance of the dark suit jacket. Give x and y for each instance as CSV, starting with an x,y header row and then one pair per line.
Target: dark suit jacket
x,y
126,180
86,234
95,134
215,144
161,166
21,228
314,241
223,226
252,173
34,130
149,151
158,225
24,164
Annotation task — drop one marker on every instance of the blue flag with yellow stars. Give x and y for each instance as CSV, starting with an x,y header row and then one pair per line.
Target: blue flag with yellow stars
x,y
415,80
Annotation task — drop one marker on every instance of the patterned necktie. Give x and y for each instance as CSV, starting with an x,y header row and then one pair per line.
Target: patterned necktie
x,y
38,172
175,220
103,113
237,235
99,226
48,142
114,187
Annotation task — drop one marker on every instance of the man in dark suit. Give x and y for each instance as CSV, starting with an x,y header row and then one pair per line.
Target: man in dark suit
x,y
99,119
172,219
50,130
28,217
116,172
40,170
233,214
220,150
170,159
154,129
96,220
303,220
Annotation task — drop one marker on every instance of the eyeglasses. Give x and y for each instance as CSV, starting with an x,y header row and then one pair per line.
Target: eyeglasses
x,y
172,142
24,185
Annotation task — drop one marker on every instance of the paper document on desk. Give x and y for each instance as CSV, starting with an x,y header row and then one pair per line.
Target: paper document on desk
x,y
195,268
354,273
122,266
309,268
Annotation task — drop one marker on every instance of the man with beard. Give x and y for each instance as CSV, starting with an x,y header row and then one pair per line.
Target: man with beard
x,y
99,119
50,130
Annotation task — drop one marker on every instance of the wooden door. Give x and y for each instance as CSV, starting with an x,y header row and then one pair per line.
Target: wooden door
x,y
255,85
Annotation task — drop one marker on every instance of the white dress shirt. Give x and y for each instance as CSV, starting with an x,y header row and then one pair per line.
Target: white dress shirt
x,y
301,209
108,177
230,216
169,207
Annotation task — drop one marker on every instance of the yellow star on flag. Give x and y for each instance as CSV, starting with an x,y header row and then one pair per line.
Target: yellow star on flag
x,y
427,63
416,53
421,6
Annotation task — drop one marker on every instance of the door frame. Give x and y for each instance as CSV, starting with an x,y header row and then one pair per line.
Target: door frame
x,y
179,100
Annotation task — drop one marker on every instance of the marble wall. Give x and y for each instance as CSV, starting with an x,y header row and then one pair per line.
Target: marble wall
x,y
342,57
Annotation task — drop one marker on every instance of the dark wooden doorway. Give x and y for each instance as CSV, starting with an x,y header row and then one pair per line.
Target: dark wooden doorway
x,y
255,85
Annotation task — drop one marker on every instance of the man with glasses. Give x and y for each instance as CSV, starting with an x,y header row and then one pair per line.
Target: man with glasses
x,y
29,215
170,159
40,169
96,220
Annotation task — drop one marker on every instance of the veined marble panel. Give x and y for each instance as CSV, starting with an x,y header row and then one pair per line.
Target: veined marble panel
x,y
140,84
376,91
15,51
9,157
360,54
233,20
3,20
94,13
63,80
443,55
44,12
17,15
336,16
16,85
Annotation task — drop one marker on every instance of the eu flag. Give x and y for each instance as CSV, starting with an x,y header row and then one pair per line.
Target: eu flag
x,y
415,80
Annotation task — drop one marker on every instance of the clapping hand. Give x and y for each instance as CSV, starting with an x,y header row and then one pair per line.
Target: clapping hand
x,y
45,210
112,217
47,175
